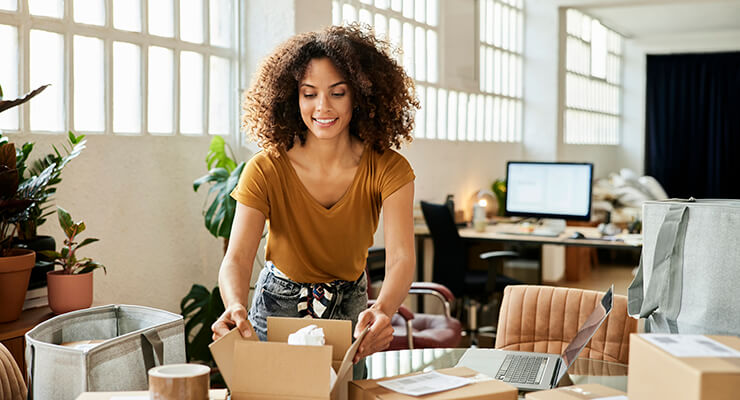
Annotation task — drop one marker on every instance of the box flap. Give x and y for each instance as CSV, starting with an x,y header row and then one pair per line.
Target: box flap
x,y
338,333
589,391
490,389
265,368
223,351
707,364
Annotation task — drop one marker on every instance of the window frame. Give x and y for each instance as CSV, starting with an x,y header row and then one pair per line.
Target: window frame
x,y
24,22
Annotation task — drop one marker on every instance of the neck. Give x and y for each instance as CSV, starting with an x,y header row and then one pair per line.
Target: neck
x,y
330,152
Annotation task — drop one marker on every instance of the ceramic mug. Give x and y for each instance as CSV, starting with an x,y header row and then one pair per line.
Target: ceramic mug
x,y
179,382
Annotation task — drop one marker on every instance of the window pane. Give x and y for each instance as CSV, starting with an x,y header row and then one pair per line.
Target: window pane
x,y
89,12
160,90
9,75
420,119
161,18
408,8
127,15
221,15
598,50
408,48
89,92
349,14
47,8
191,20
366,17
432,12
219,98
420,10
8,5
420,61
47,66
126,88
432,75
191,92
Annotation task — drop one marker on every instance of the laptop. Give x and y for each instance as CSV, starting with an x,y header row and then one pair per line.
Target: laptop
x,y
537,371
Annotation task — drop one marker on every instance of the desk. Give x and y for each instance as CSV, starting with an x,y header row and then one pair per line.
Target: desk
x,y
502,233
398,362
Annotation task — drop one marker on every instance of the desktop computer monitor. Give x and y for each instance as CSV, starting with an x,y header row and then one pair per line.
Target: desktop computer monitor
x,y
555,190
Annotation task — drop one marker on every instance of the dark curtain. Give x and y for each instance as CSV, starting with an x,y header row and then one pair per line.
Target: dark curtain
x,y
692,135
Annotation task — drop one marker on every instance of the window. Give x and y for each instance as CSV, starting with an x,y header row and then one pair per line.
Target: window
x,y
449,113
593,62
159,67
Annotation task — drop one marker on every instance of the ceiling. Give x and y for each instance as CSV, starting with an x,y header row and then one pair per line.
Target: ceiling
x,y
650,18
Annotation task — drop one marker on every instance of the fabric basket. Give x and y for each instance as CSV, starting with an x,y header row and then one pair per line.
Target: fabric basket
x,y
135,338
689,275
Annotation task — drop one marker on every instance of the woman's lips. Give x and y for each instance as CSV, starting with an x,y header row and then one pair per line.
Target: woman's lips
x,y
325,122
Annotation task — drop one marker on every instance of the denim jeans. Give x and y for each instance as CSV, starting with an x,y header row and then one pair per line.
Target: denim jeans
x,y
277,296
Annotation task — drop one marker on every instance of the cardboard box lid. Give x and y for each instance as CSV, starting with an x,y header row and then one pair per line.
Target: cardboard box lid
x,y
488,389
721,365
589,391
255,368
338,333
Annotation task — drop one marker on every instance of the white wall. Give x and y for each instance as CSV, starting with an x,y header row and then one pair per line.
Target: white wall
x,y
135,193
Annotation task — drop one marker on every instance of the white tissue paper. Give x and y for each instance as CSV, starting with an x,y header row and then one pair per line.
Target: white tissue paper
x,y
311,335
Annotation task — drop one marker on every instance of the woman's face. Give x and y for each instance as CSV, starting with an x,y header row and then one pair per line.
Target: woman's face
x,y
325,100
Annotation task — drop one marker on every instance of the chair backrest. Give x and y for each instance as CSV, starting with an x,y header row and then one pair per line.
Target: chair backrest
x,y
450,260
12,386
544,319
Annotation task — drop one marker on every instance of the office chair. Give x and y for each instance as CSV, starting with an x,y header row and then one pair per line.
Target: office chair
x,y
545,319
420,330
450,265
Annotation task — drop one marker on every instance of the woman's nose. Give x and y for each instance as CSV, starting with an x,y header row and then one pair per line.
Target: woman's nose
x,y
323,102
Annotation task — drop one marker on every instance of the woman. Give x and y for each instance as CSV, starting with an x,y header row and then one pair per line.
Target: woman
x,y
326,107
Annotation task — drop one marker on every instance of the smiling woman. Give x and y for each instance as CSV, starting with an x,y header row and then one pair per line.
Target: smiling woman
x,y
327,123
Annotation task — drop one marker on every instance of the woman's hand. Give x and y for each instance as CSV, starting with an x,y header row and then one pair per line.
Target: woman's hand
x,y
234,316
380,335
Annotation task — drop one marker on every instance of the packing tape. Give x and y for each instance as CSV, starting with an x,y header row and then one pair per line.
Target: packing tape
x,y
179,382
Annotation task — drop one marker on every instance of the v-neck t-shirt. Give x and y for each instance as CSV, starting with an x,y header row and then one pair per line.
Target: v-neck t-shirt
x,y
307,241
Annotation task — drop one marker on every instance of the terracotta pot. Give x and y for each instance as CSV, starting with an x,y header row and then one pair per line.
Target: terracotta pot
x,y
69,292
15,270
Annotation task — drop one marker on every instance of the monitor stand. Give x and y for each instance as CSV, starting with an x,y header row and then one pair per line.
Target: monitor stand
x,y
550,227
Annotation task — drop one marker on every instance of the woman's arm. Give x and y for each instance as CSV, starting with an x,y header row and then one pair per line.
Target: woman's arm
x,y
236,269
398,230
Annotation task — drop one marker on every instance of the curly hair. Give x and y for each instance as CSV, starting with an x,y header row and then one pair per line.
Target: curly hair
x,y
383,95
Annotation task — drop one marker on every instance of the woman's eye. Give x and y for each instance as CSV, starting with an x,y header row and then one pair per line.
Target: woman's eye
x,y
338,94
308,95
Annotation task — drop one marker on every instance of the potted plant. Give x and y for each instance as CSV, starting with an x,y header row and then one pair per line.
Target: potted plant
x,y
71,288
15,201
223,174
17,196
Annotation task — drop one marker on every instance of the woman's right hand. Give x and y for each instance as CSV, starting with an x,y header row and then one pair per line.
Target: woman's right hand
x,y
234,316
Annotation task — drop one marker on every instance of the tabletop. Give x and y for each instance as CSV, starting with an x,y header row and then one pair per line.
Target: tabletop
x,y
398,362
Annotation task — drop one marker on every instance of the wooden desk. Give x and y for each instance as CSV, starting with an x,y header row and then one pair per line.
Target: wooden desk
x,y
12,333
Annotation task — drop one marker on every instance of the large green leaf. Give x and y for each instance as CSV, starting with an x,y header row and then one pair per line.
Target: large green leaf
x,y
65,220
201,309
217,156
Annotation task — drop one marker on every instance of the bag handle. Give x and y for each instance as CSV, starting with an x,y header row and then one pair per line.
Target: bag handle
x,y
662,299
151,346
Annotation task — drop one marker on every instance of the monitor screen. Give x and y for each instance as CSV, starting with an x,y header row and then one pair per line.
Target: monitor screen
x,y
549,190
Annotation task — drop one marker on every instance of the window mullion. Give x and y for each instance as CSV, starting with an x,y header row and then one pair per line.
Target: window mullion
x,y
144,48
24,35
206,66
68,66
108,68
177,50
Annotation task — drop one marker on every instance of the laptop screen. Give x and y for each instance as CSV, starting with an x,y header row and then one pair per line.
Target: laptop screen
x,y
586,331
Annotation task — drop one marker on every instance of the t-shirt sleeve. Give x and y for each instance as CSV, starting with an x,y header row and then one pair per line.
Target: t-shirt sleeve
x,y
396,172
252,187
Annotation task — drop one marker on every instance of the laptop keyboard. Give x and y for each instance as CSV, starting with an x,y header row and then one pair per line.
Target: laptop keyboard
x,y
525,369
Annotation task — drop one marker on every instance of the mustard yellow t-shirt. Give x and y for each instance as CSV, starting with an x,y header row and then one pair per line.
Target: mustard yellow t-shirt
x,y
306,241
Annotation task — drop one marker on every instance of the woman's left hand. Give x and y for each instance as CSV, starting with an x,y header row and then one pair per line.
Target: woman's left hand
x,y
380,335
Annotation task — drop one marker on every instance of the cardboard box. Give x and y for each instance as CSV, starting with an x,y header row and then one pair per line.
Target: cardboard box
x,y
489,389
277,370
579,392
213,394
659,371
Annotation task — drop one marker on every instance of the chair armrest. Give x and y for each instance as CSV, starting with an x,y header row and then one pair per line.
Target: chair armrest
x,y
426,287
403,311
437,290
498,254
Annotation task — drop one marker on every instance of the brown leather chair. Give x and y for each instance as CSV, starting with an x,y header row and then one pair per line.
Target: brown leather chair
x,y
545,319
12,386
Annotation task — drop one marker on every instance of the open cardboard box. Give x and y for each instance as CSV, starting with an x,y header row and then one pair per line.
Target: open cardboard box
x,y
213,394
578,392
277,370
481,389
657,374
